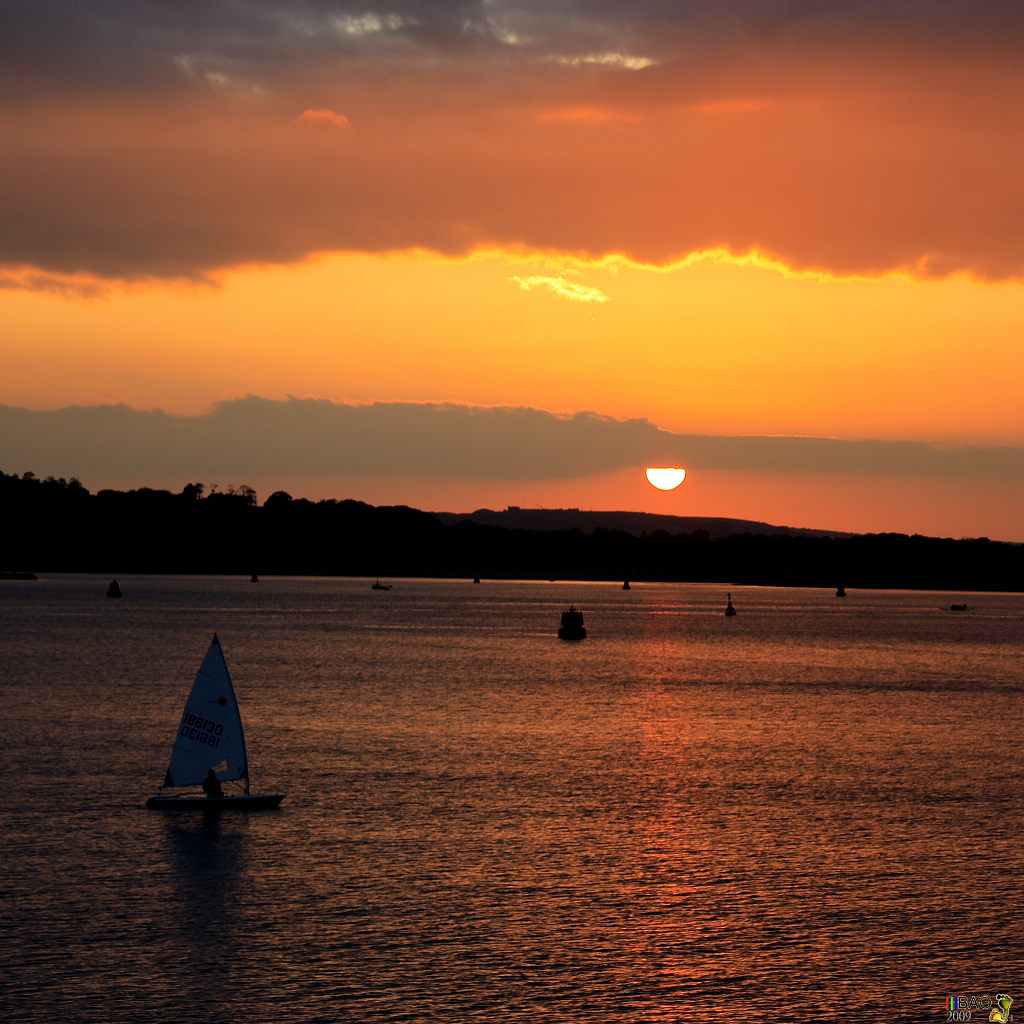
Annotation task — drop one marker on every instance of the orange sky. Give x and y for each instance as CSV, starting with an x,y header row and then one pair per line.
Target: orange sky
x,y
775,220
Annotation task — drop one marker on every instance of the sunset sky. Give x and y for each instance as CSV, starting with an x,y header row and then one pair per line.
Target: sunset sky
x,y
464,254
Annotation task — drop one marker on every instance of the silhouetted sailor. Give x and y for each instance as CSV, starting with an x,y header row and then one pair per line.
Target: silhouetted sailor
x,y
211,786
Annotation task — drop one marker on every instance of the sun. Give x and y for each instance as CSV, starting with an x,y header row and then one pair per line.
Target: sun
x,y
665,478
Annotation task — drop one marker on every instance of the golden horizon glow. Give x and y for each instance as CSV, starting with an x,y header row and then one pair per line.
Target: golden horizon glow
x,y
664,477
808,355
716,344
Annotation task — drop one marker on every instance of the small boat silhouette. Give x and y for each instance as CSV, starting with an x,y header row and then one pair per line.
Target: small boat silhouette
x,y
113,589
729,610
380,586
841,592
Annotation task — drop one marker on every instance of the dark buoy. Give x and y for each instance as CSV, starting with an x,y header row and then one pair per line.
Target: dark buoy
x,y
113,589
572,625
729,610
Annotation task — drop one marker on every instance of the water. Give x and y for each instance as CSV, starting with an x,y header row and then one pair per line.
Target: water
x,y
809,812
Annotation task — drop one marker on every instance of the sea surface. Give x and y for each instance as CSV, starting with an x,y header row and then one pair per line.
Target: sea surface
x,y
812,811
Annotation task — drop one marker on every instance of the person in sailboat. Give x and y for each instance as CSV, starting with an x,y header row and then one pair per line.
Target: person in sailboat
x,y
212,787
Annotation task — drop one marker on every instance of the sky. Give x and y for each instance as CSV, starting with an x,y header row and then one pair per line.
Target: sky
x,y
477,254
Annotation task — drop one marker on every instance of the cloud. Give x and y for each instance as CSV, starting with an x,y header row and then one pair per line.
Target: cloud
x,y
66,286
564,289
369,23
615,60
252,437
54,44
331,117
855,138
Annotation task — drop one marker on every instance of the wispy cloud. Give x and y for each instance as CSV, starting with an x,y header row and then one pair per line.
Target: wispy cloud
x,y
629,62
197,68
561,287
368,24
69,286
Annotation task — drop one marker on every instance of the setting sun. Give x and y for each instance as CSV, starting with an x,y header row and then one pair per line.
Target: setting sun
x,y
664,477
317,266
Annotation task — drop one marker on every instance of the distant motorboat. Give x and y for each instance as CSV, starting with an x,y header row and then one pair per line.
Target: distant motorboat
x,y
958,607
841,592
625,586
113,589
254,578
729,610
380,586
572,625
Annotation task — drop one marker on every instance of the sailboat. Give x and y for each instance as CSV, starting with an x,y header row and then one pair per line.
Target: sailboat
x,y
210,747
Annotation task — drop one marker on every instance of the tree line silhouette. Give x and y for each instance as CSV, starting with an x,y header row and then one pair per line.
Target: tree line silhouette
x,y
57,525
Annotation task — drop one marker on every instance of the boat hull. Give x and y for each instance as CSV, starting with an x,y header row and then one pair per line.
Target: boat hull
x,y
253,802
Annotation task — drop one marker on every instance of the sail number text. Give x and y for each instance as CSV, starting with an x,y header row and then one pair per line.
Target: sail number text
x,y
201,730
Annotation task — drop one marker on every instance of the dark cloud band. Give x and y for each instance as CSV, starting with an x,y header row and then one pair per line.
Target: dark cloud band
x,y
257,436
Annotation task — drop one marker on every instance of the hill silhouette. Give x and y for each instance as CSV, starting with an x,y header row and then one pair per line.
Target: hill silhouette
x,y
56,525
635,523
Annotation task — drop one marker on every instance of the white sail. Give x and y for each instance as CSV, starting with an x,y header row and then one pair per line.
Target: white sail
x,y
210,734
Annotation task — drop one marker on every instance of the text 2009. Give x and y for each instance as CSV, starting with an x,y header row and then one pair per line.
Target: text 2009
x,y
958,1015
